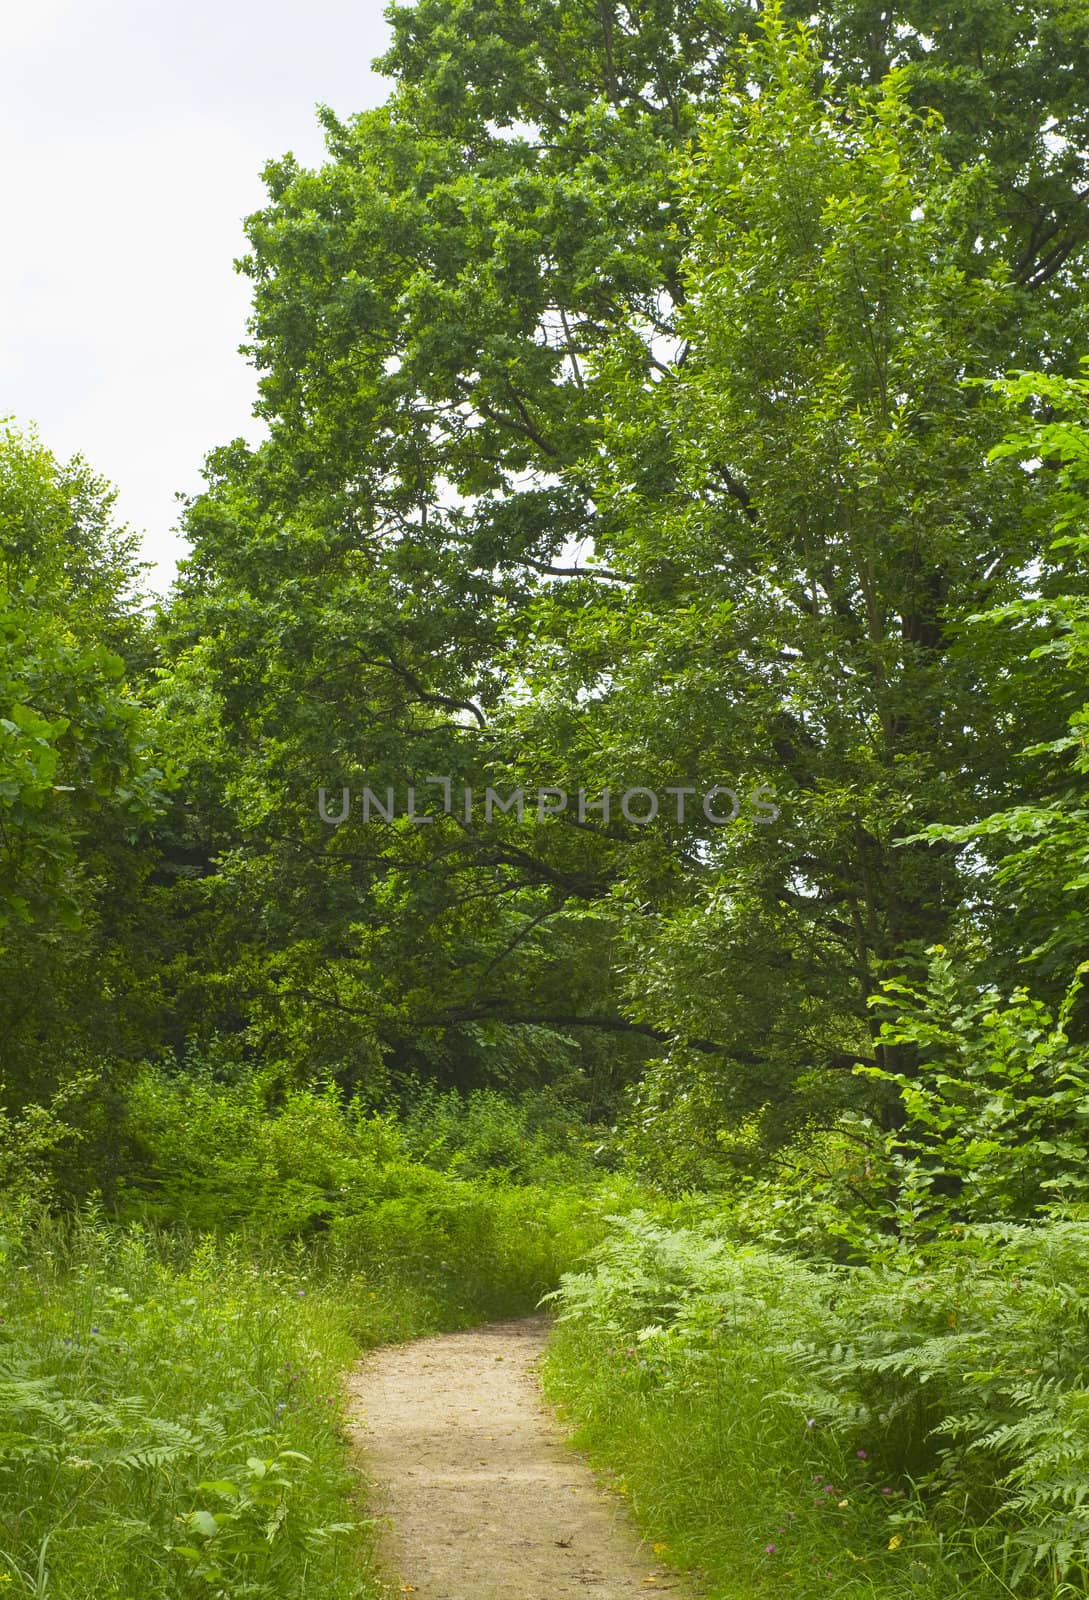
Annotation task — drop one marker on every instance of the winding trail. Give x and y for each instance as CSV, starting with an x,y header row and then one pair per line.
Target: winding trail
x,y
483,1499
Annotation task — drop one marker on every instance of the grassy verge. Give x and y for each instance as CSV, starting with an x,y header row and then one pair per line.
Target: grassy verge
x,y
171,1422
719,1485
901,1431
170,1413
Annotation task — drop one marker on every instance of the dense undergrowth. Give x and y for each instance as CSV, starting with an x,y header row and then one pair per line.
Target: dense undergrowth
x,y
917,1426
797,1402
171,1417
170,1379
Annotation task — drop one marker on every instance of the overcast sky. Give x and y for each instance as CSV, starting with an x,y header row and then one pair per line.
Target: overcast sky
x,y
134,133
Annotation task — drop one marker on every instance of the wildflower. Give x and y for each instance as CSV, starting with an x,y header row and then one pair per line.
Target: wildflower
x,y
862,1455
829,1488
811,1422
770,1549
886,1491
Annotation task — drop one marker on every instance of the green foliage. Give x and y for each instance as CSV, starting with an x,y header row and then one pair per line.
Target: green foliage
x,y
914,1427
296,1156
992,1122
487,1236
76,774
279,1173
484,1250
536,1137
1033,896
171,1422
806,517
73,759
29,1144
715,345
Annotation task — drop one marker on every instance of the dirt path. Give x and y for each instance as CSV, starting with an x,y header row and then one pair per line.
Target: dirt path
x,y
484,1500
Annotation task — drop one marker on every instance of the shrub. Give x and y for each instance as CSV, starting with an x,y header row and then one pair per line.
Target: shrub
x,y
534,1138
170,1423
925,1415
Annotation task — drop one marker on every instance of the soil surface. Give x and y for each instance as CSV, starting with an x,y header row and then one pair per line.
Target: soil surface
x,y
477,1494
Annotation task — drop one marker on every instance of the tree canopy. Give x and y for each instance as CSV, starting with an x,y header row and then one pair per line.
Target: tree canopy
x,y
633,391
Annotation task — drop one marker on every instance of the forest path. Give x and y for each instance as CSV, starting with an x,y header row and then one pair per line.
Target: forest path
x,y
482,1497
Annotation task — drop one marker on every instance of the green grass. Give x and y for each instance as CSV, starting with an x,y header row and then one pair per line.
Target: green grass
x,y
170,1405
171,1422
795,1432
714,1477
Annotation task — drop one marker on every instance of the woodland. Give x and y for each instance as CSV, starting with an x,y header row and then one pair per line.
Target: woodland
x,y
671,398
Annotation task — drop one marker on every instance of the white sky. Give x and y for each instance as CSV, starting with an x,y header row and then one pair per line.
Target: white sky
x,y
133,134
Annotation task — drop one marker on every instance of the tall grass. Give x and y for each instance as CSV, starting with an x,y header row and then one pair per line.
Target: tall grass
x,y
170,1403
171,1422
904,1431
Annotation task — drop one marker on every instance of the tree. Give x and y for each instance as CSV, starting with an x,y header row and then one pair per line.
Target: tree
x,y
801,504
544,463
1030,861
76,780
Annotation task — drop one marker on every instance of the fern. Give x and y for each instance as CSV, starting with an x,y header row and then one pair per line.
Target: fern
x,y
960,1372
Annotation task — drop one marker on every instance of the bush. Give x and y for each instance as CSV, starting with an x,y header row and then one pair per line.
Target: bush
x,y
916,1426
992,1120
478,1250
535,1138
216,1154
171,1423
470,1241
